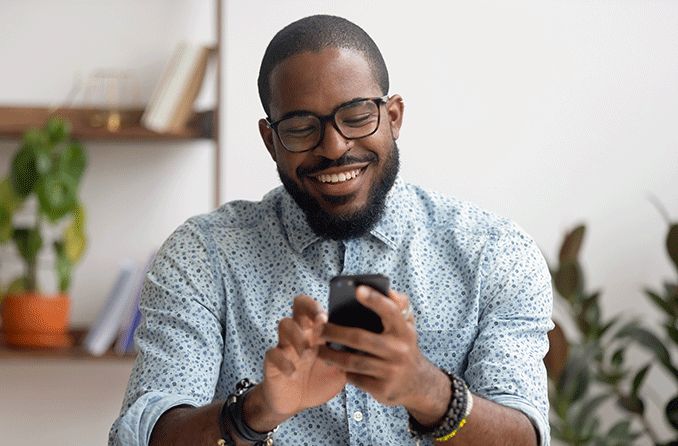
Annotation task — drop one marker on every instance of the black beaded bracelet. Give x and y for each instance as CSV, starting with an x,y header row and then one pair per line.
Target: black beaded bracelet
x,y
232,415
225,439
455,417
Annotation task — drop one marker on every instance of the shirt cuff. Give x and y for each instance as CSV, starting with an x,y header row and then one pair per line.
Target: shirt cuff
x,y
533,414
134,427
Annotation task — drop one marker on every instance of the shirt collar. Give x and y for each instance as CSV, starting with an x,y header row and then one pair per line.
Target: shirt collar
x,y
389,229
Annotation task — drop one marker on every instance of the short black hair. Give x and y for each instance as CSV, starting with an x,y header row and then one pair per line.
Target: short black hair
x,y
316,33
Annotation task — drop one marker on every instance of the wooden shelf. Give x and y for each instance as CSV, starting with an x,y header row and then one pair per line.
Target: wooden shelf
x,y
14,121
76,352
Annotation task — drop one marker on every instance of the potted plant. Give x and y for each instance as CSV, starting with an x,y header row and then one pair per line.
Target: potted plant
x,y
46,170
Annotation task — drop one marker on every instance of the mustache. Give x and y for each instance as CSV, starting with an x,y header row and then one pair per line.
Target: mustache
x,y
326,163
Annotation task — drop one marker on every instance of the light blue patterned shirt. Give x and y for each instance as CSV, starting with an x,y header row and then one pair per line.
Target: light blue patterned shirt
x,y
479,287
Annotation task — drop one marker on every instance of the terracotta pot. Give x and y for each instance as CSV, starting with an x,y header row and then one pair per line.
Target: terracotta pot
x,y
36,320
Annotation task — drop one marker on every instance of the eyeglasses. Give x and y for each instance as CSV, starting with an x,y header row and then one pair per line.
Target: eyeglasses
x,y
303,131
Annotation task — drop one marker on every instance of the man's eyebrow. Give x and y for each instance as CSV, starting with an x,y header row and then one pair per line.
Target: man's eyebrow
x,y
303,112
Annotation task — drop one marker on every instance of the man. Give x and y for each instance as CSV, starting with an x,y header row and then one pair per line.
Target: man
x,y
241,292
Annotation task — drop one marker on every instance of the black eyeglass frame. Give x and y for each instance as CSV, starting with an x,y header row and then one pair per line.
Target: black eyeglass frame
x,y
328,118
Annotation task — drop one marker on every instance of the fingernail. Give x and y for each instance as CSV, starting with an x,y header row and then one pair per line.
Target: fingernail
x,y
321,317
363,291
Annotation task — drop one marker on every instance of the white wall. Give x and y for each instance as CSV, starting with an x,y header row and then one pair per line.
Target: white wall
x,y
549,112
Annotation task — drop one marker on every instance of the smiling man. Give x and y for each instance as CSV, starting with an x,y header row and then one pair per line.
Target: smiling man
x,y
233,341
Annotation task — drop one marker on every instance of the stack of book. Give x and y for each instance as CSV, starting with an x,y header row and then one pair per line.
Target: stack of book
x,y
171,104
120,315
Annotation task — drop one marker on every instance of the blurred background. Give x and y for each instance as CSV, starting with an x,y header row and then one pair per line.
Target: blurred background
x,y
551,113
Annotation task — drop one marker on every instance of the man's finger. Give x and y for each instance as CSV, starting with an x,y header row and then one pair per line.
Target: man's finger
x,y
357,338
353,362
385,307
290,334
305,311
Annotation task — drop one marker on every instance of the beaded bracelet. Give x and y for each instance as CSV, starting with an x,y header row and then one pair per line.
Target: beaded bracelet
x,y
458,410
467,412
231,415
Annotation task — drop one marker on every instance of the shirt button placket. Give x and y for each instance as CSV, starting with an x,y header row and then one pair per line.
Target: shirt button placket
x,y
355,411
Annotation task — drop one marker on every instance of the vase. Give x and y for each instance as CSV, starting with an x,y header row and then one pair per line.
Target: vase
x,y
33,320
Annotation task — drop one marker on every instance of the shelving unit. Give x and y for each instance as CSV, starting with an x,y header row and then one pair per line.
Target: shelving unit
x,y
14,121
71,353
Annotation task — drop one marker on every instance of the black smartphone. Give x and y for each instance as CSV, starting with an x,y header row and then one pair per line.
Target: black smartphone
x,y
344,308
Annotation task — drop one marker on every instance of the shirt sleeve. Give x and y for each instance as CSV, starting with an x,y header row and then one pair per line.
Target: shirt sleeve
x,y
180,337
506,362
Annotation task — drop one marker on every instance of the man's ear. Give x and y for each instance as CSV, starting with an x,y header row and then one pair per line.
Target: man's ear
x,y
267,136
395,107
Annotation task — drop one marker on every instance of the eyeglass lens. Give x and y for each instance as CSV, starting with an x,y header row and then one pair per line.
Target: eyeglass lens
x,y
354,120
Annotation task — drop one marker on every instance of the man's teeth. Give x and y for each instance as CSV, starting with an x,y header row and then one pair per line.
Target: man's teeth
x,y
339,177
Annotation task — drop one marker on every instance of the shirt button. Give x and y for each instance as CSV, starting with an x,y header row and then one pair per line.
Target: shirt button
x,y
358,415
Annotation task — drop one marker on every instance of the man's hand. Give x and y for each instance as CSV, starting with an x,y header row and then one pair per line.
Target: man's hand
x,y
392,369
294,377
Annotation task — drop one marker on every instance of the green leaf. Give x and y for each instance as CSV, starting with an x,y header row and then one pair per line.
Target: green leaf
x,y
73,161
588,409
5,224
17,286
57,195
620,431
34,138
28,242
672,332
589,428
660,302
57,130
672,243
649,341
575,377
74,238
638,379
608,325
64,267
618,357
671,412
8,198
589,318
568,281
569,251
24,172
612,378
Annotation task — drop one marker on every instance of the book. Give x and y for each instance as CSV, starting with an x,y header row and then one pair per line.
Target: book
x,y
171,104
132,315
150,113
105,329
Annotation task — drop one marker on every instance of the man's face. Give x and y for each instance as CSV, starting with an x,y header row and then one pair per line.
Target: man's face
x,y
318,82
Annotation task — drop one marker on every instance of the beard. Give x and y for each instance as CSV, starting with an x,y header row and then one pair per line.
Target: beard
x,y
353,224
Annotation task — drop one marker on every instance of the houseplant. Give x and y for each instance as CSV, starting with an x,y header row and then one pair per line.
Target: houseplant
x,y
594,368
45,172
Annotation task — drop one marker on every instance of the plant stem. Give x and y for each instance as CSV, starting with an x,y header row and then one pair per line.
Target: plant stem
x,y
646,425
32,273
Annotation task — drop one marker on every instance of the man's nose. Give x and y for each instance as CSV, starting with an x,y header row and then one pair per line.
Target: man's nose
x,y
333,145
